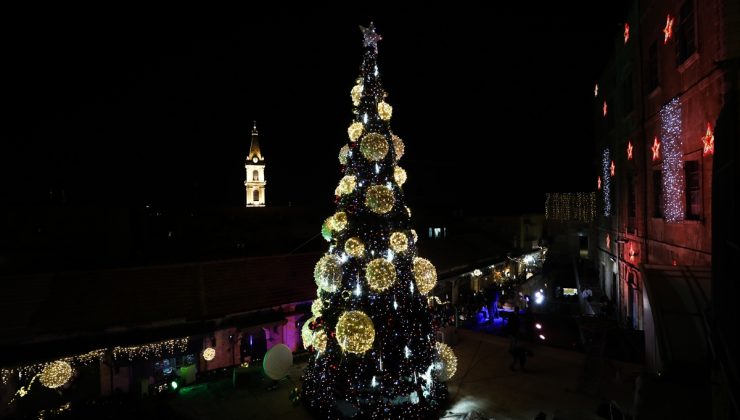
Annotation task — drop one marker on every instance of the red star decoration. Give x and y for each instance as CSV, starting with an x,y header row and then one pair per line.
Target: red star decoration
x,y
596,90
608,240
605,108
598,183
612,168
656,149
708,140
668,30
629,150
626,32
632,253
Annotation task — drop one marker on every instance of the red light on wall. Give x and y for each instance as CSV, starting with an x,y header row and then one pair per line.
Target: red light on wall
x,y
596,90
632,253
626,32
604,108
708,140
629,150
668,30
611,168
598,183
656,148
608,241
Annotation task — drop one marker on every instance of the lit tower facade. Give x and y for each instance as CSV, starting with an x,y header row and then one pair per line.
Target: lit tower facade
x,y
255,166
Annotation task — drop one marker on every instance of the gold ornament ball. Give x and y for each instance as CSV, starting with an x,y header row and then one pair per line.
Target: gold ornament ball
x,y
356,94
448,365
425,275
399,242
317,306
209,353
56,374
399,175
355,130
385,111
319,340
379,199
398,146
307,334
380,274
354,247
346,185
374,147
344,154
355,332
328,273
339,221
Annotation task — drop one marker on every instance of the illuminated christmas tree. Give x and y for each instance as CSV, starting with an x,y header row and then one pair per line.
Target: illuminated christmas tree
x,y
374,353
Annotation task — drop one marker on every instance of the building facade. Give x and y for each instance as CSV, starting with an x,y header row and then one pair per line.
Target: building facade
x,y
656,106
254,183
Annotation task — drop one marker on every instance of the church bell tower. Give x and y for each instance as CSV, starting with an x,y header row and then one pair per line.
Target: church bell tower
x,y
255,166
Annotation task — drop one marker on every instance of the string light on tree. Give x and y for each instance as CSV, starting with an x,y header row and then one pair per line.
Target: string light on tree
x,y
328,273
672,165
447,362
355,130
354,247
307,333
316,307
708,141
374,147
425,275
385,111
398,146
372,309
355,332
399,242
346,185
356,93
668,30
379,199
380,274
399,175
344,155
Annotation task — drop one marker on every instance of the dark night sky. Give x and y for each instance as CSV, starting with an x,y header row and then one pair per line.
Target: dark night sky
x,y
132,107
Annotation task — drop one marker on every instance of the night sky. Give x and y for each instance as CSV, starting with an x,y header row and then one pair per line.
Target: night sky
x,y
137,106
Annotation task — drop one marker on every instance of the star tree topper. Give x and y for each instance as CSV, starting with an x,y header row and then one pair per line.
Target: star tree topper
x,y
370,37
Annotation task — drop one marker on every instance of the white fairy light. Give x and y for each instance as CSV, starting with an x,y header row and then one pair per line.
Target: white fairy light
x,y
606,177
672,166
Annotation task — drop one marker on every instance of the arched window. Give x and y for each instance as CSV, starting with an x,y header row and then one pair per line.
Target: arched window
x,y
256,195
255,175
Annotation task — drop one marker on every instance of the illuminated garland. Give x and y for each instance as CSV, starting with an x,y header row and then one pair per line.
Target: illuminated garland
x,y
150,351
579,206
673,176
606,182
447,365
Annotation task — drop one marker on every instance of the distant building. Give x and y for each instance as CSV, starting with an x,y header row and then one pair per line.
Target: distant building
x,y
255,179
